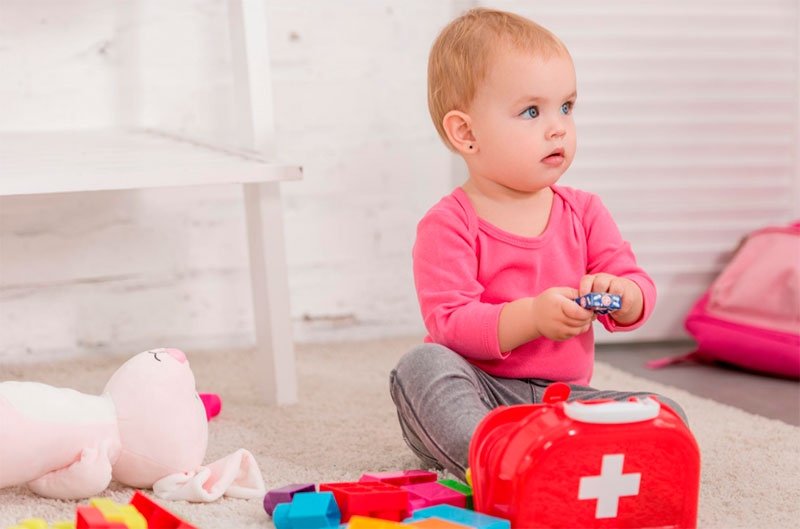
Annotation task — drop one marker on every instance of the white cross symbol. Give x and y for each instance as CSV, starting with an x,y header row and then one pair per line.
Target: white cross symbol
x,y
609,486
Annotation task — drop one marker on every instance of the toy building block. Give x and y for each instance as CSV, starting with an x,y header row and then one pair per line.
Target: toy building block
x,y
421,495
30,523
600,303
363,522
38,523
285,494
461,516
87,517
401,477
457,486
307,510
437,523
156,516
114,512
374,499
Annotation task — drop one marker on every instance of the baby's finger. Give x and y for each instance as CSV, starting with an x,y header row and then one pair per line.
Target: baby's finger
x,y
576,314
567,292
576,327
602,283
617,286
586,284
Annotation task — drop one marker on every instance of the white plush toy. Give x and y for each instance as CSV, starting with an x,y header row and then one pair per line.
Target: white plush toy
x,y
147,429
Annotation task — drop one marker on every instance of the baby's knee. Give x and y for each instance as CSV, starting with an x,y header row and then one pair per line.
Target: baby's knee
x,y
425,364
427,358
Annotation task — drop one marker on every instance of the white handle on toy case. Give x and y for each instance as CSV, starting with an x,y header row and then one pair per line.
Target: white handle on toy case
x,y
634,410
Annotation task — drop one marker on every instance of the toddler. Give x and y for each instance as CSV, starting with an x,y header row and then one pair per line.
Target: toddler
x,y
499,262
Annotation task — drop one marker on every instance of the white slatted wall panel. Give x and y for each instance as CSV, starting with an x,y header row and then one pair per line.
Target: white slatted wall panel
x,y
687,123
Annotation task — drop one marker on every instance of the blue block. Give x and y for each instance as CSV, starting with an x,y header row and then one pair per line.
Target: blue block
x,y
308,510
459,515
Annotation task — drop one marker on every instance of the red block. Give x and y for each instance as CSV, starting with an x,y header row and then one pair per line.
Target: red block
x,y
373,499
91,518
401,477
157,517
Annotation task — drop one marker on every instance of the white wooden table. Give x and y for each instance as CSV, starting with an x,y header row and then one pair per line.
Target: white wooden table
x,y
101,160
80,161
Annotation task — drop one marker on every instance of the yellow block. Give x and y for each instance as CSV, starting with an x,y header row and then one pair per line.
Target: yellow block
x,y
33,523
114,512
38,523
30,523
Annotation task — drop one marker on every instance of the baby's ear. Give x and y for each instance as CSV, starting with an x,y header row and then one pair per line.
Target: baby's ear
x,y
458,127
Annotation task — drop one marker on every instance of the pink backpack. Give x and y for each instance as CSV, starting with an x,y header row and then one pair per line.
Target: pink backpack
x,y
750,315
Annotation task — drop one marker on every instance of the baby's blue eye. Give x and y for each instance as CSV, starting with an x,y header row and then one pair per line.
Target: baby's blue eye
x,y
530,113
565,108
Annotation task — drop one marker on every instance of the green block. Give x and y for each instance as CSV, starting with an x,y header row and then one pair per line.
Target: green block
x,y
457,486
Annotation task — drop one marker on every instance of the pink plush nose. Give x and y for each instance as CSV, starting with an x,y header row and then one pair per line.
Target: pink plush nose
x,y
177,354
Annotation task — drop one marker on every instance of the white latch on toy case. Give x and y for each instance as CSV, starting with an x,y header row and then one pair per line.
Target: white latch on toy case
x,y
635,410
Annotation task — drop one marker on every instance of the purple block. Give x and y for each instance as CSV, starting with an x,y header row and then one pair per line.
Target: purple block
x,y
285,494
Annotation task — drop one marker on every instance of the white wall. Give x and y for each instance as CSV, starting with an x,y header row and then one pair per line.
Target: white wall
x,y
126,271
113,271
686,129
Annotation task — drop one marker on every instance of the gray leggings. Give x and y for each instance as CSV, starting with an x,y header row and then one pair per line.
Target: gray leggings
x,y
441,398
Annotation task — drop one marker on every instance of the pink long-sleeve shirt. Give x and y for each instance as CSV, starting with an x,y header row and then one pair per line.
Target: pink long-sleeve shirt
x,y
466,269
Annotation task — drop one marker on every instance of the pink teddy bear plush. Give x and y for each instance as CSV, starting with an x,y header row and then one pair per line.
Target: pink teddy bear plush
x,y
147,429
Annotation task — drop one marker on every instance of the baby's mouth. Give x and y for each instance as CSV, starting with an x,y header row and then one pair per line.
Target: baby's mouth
x,y
555,156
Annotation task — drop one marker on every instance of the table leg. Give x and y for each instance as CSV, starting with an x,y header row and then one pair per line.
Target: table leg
x,y
272,317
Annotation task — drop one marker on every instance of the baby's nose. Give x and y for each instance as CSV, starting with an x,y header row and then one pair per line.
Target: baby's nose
x,y
177,354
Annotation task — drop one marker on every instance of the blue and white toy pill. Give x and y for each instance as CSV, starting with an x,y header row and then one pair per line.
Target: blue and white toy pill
x,y
600,303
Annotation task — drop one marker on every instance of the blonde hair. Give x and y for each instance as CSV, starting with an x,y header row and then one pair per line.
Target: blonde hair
x,y
460,57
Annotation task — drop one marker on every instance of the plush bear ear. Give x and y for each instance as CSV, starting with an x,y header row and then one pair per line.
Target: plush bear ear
x,y
162,421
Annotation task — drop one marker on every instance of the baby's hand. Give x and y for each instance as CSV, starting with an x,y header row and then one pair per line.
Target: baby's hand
x,y
558,317
632,300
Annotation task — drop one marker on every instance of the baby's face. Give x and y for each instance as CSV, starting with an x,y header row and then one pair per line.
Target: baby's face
x,y
522,121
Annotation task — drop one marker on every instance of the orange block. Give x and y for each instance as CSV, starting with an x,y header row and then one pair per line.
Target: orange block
x,y
365,522
438,523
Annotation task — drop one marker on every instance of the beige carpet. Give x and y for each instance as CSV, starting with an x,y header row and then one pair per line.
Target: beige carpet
x,y
345,425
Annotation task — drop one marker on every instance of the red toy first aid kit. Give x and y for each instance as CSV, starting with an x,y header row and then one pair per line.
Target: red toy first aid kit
x,y
592,464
